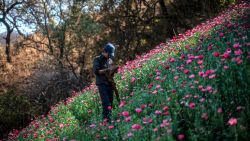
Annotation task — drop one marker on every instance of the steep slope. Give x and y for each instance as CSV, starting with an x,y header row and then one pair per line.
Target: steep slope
x,y
195,87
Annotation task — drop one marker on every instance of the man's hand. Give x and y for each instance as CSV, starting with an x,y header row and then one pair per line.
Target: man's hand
x,y
114,69
111,70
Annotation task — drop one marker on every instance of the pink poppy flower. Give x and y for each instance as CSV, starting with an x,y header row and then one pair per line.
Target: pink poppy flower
x,y
50,132
61,125
158,86
229,50
181,137
192,76
155,92
204,116
237,59
238,52
37,125
158,73
147,120
125,113
164,123
158,78
189,61
209,88
186,71
232,121
166,113
208,72
172,60
158,112
174,91
133,79
167,67
226,55
136,126
221,34
122,104
155,129
200,62
130,134
143,106
51,119
210,47
191,105
138,110
35,135
200,57
187,47
97,136
226,67
237,45
182,56
150,86
201,73
111,127
212,76
239,62
219,110
165,108
176,77
216,54
202,100
128,119
150,120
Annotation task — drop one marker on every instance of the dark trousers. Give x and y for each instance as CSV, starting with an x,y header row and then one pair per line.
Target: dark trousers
x,y
106,94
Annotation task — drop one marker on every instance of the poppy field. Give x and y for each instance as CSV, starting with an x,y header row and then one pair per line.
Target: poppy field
x,y
193,87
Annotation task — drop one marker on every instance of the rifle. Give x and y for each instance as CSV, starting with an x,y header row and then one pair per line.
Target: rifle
x,y
110,76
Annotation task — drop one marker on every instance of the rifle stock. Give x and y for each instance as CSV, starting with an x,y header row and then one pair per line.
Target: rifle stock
x,y
110,76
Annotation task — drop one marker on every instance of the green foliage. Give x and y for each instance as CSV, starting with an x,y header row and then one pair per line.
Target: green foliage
x,y
174,104
14,111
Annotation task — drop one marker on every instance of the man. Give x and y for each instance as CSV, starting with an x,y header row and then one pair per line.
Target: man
x,y
103,65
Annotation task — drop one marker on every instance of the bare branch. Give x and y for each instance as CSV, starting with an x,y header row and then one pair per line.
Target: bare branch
x,y
12,6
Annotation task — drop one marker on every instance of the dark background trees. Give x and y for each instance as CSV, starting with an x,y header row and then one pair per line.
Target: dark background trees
x,y
42,67
9,13
138,25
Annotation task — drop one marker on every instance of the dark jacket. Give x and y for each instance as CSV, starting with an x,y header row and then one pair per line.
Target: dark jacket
x,y
99,63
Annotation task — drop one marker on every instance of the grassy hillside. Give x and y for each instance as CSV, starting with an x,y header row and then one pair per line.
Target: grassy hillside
x,y
195,87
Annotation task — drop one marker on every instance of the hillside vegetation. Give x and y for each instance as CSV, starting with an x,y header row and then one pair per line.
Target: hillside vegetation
x,y
194,87
47,47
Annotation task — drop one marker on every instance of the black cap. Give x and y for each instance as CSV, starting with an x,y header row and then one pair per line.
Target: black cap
x,y
110,49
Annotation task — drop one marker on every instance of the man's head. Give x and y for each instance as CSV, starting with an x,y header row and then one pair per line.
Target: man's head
x,y
109,51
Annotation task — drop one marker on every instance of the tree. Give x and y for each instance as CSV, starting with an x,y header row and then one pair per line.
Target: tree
x,y
138,25
8,13
63,27
129,24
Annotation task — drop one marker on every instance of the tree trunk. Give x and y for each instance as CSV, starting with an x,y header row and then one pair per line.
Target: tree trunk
x,y
61,41
163,8
7,40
